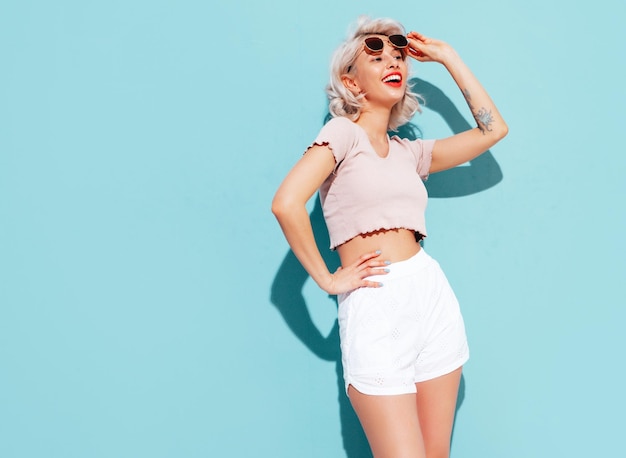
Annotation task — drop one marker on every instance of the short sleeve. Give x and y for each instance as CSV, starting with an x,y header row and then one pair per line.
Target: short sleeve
x,y
339,135
423,150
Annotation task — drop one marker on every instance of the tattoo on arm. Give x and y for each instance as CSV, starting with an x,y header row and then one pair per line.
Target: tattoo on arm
x,y
483,117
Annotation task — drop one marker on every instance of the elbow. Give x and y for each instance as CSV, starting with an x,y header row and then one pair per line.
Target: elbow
x,y
504,131
281,206
500,131
278,207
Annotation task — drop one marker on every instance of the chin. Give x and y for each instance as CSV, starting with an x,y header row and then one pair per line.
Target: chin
x,y
397,98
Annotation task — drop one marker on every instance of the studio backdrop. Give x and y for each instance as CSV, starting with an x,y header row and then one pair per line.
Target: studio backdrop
x,y
149,304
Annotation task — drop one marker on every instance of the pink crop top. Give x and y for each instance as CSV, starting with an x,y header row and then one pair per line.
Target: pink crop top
x,y
366,192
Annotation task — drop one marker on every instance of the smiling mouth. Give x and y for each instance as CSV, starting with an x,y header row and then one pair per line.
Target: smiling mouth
x,y
393,79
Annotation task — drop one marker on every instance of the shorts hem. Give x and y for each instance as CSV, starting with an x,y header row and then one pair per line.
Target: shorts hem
x,y
386,391
443,371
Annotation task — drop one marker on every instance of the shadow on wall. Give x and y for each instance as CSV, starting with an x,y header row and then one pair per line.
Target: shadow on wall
x,y
482,173
287,288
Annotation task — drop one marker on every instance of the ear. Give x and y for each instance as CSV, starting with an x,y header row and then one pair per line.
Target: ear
x,y
350,84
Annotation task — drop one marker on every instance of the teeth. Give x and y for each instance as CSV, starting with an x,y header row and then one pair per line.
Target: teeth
x,y
391,78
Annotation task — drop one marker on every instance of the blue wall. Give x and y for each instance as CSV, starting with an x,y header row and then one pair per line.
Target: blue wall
x,y
149,305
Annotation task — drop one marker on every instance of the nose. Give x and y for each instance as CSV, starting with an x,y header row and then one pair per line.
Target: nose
x,y
390,57
392,62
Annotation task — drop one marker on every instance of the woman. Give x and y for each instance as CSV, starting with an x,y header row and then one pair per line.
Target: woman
x,y
402,335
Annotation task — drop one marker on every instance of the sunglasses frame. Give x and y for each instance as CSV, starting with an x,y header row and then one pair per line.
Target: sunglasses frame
x,y
404,43
375,45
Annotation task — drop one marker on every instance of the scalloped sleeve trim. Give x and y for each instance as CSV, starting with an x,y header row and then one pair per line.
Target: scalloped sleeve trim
x,y
338,135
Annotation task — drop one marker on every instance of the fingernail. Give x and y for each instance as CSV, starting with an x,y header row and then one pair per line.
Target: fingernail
x,y
378,252
387,262
386,270
380,284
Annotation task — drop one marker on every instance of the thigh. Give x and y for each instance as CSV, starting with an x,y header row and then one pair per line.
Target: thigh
x,y
436,405
390,423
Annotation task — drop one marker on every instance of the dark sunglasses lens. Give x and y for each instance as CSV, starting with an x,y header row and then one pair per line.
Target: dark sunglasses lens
x,y
399,41
374,44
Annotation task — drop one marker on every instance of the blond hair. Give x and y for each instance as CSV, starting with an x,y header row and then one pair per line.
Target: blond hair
x,y
342,102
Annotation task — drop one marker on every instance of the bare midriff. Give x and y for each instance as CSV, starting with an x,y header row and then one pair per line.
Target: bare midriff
x,y
395,245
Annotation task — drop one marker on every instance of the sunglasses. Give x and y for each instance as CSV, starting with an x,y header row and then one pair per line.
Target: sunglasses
x,y
376,44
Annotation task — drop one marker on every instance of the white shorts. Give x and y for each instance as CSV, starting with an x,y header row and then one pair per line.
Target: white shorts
x,y
407,331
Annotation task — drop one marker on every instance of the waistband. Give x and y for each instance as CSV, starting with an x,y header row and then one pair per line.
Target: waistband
x,y
403,268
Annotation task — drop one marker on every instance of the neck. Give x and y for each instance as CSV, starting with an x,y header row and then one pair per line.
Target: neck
x,y
375,123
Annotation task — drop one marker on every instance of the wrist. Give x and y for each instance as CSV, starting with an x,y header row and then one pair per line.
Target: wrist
x,y
325,282
450,57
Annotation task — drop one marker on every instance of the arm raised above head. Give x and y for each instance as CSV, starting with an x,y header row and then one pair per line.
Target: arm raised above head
x,y
490,126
